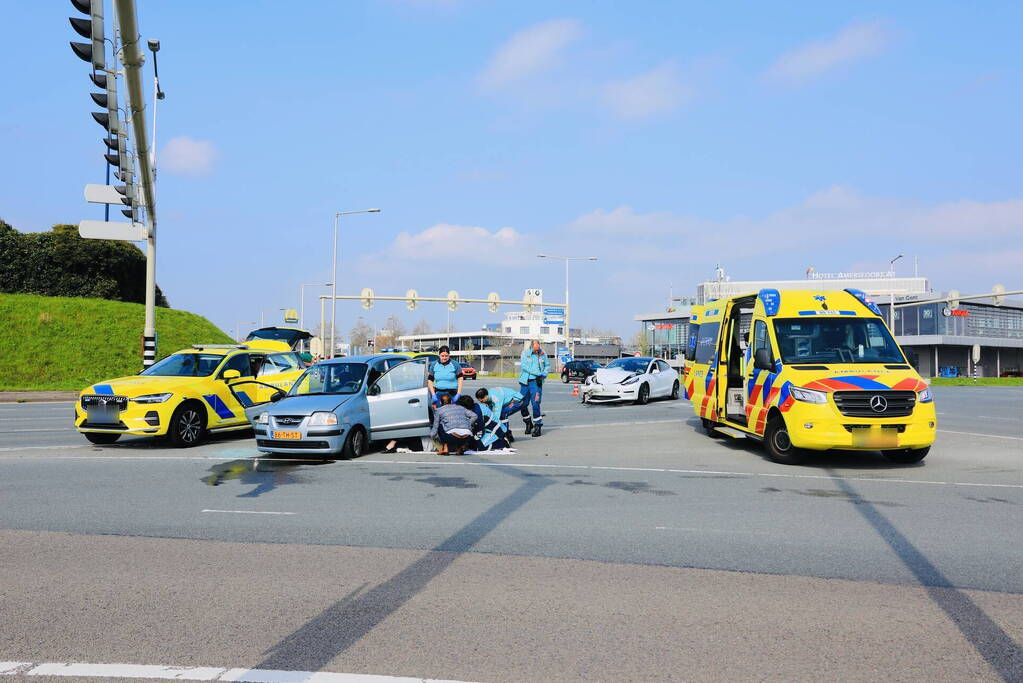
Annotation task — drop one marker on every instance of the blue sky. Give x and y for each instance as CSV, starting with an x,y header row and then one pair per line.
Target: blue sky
x,y
661,137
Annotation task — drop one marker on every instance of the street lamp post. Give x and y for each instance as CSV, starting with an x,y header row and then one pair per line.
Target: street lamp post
x,y
301,289
891,306
237,325
568,328
333,277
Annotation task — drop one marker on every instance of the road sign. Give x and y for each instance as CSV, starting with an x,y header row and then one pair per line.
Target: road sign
x,y
553,321
554,312
291,316
976,353
109,230
102,194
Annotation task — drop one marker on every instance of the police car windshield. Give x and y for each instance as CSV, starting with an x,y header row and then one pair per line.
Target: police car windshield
x,y
185,365
630,364
836,340
330,378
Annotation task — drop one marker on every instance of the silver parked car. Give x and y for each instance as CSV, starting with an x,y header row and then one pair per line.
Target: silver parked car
x,y
337,406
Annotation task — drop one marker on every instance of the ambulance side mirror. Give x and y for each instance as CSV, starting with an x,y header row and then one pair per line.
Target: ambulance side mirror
x,y
762,359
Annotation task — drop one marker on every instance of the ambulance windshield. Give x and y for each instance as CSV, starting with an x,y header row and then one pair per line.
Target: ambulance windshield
x,y
836,340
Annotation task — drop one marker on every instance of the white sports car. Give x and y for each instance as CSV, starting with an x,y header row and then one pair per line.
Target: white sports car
x,y
631,379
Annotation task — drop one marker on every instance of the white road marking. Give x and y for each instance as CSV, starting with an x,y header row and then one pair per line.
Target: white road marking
x,y
989,436
56,445
22,431
55,418
197,673
251,512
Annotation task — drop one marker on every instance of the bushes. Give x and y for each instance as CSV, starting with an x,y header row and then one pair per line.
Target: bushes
x,y
60,263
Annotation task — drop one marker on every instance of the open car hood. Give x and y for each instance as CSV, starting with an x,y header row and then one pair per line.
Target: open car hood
x,y
611,375
292,336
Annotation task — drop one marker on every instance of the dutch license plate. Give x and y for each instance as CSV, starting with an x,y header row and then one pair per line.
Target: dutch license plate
x,y
287,435
103,415
876,438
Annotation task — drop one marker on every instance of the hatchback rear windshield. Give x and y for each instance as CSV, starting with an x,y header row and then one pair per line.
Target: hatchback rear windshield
x,y
836,340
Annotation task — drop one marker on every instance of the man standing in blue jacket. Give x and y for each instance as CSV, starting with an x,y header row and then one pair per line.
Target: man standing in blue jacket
x,y
534,372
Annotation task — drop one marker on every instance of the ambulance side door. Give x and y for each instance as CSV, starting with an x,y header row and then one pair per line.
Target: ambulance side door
x,y
759,380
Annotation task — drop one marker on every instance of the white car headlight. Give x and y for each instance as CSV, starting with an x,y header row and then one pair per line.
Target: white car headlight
x,y
588,380
631,380
322,419
263,418
924,395
809,395
152,398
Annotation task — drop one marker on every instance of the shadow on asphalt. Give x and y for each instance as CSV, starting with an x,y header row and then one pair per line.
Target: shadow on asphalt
x,y
989,640
337,628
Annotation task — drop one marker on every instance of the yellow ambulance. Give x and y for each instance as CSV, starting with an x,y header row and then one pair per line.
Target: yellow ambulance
x,y
806,370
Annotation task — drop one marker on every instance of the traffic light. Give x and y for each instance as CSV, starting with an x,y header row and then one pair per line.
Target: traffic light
x,y
452,300
91,28
492,300
999,295
411,299
367,298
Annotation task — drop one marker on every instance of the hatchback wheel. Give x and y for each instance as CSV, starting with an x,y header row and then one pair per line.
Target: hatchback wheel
x,y
355,444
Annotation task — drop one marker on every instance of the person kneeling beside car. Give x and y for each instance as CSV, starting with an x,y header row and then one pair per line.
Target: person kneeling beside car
x,y
453,427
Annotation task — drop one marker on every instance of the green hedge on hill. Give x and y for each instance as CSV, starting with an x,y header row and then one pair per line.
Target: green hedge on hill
x,y
61,263
68,343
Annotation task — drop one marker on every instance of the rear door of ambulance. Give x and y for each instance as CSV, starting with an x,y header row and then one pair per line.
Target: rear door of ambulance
x,y
706,360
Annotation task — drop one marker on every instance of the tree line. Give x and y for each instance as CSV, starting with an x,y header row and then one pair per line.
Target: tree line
x,y
62,263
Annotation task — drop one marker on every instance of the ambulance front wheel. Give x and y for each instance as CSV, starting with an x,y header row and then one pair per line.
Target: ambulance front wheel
x,y
779,444
907,456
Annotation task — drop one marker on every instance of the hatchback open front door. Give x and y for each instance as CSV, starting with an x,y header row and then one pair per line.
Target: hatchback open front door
x,y
399,402
253,395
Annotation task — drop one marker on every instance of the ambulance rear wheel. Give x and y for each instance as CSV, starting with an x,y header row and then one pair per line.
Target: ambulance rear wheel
x,y
101,437
779,444
711,428
907,456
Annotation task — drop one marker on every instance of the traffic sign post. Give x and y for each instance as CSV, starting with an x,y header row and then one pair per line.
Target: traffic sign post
x,y
109,230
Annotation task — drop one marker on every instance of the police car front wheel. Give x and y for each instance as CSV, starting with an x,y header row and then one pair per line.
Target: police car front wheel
x,y
187,426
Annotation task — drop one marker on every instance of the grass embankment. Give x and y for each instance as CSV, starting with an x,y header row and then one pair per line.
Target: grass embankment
x,y
66,343
981,382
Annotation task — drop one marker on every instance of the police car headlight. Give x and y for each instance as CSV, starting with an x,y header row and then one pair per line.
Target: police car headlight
x,y
924,395
152,398
808,395
263,418
322,419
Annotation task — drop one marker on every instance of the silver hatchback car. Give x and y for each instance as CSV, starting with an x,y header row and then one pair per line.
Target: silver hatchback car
x,y
337,406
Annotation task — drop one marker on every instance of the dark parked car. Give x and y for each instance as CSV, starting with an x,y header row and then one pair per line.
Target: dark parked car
x,y
578,369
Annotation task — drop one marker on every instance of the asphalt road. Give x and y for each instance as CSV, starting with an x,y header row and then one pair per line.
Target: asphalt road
x,y
624,543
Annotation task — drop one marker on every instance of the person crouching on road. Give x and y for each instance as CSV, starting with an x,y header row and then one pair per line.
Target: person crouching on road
x,y
453,426
534,372
497,405
445,377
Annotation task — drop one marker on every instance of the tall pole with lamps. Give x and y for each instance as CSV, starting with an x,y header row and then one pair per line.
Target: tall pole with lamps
x,y
333,279
568,327
301,289
891,307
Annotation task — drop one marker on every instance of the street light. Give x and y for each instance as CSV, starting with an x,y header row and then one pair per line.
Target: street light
x,y
301,289
568,329
237,335
269,310
891,294
154,46
333,277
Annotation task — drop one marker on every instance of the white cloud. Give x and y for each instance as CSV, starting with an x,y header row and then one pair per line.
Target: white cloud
x,y
528,53
187,156
658,91
854,42
444,241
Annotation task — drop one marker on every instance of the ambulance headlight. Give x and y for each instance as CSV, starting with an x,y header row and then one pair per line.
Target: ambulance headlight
x,y
263,418
924,395
808,395
322,419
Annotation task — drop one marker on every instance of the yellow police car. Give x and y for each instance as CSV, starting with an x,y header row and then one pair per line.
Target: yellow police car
x,y
195,391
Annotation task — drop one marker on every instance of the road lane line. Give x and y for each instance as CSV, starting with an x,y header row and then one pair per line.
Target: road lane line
x,y
989,436
22,431
62,447
252,512
200,673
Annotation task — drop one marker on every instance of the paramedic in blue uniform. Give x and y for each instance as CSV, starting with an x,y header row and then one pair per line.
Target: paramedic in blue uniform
x,y
534,372
445,377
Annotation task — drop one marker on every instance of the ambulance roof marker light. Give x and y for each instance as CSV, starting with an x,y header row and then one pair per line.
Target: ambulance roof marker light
x,y
865,300
772,301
